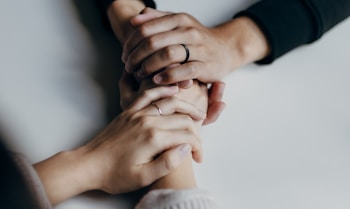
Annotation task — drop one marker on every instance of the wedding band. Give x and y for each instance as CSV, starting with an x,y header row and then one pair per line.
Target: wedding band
x,y
158,108
187,53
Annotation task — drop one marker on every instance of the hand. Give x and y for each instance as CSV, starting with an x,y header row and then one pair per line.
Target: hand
x,y
128,87
134,150
139,147
214,52
155,45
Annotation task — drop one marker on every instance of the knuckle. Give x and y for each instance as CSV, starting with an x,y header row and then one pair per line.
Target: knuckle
x,y
169,53
146,94
151,43
153,136
194,33
184,18
192,70
170,163
145,122
143,31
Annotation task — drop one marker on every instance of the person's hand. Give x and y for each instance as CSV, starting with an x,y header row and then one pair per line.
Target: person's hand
x,y
140,146
130,90
156,44
134,150
213,52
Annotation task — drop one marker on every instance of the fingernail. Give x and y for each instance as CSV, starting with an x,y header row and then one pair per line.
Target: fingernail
x,y
185,149
158,79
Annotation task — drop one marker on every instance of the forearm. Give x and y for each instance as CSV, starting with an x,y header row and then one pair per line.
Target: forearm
x,y
245,40
64,175
284,32
119,14
181,178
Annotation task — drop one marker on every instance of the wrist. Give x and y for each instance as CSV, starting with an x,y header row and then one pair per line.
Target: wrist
x,y
245,39
119,14
65,175
181,178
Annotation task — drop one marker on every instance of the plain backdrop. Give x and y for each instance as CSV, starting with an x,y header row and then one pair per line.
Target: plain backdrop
x,y
282,142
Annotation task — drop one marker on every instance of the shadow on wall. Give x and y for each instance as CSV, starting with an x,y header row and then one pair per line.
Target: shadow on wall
x,y
108,68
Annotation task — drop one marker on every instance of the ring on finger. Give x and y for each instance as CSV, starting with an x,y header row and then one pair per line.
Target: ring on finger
x,y
158,108
187,53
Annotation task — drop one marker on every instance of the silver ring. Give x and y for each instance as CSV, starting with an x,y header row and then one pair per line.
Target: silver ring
x,y
187,53
158,108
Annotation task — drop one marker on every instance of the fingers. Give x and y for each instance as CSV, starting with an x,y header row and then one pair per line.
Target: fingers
x,y
162,24
187,71
166,162
166,139
146,15
151,95
214,111
167,45
185,84
216,91
173,105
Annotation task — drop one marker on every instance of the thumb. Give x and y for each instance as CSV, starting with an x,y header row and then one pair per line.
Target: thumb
x,y
167,161
146,15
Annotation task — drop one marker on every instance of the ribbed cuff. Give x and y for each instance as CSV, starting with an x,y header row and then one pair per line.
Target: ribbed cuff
x,y
179,199
286,24
32,181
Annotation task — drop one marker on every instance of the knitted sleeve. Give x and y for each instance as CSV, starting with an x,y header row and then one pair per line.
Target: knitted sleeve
x,y
32,181
179,199
288,24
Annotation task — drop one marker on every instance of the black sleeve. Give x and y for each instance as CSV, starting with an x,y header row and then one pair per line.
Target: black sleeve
x,y
104,4
288,24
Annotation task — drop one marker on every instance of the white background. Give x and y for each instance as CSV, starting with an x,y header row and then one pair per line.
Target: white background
x,y
283,140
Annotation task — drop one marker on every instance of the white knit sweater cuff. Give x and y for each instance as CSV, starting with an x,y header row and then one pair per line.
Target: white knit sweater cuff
x,y
178,199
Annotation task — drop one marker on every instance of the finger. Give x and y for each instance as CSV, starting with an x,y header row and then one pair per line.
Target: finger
x,y
154,94
215,104
173,105
185,84
187,71
153,61
214,111
166,162
216,91
166,139
153,43
159,25
146,15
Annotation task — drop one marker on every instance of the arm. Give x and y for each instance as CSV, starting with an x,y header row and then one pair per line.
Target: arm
x,y
291,23
214,52
113,163
262,33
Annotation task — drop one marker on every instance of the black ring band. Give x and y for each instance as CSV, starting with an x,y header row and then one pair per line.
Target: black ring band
x,y
187,53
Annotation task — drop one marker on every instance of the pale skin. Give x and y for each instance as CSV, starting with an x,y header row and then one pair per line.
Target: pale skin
x,y
183,176
120,14
133,151
112,154
214,52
